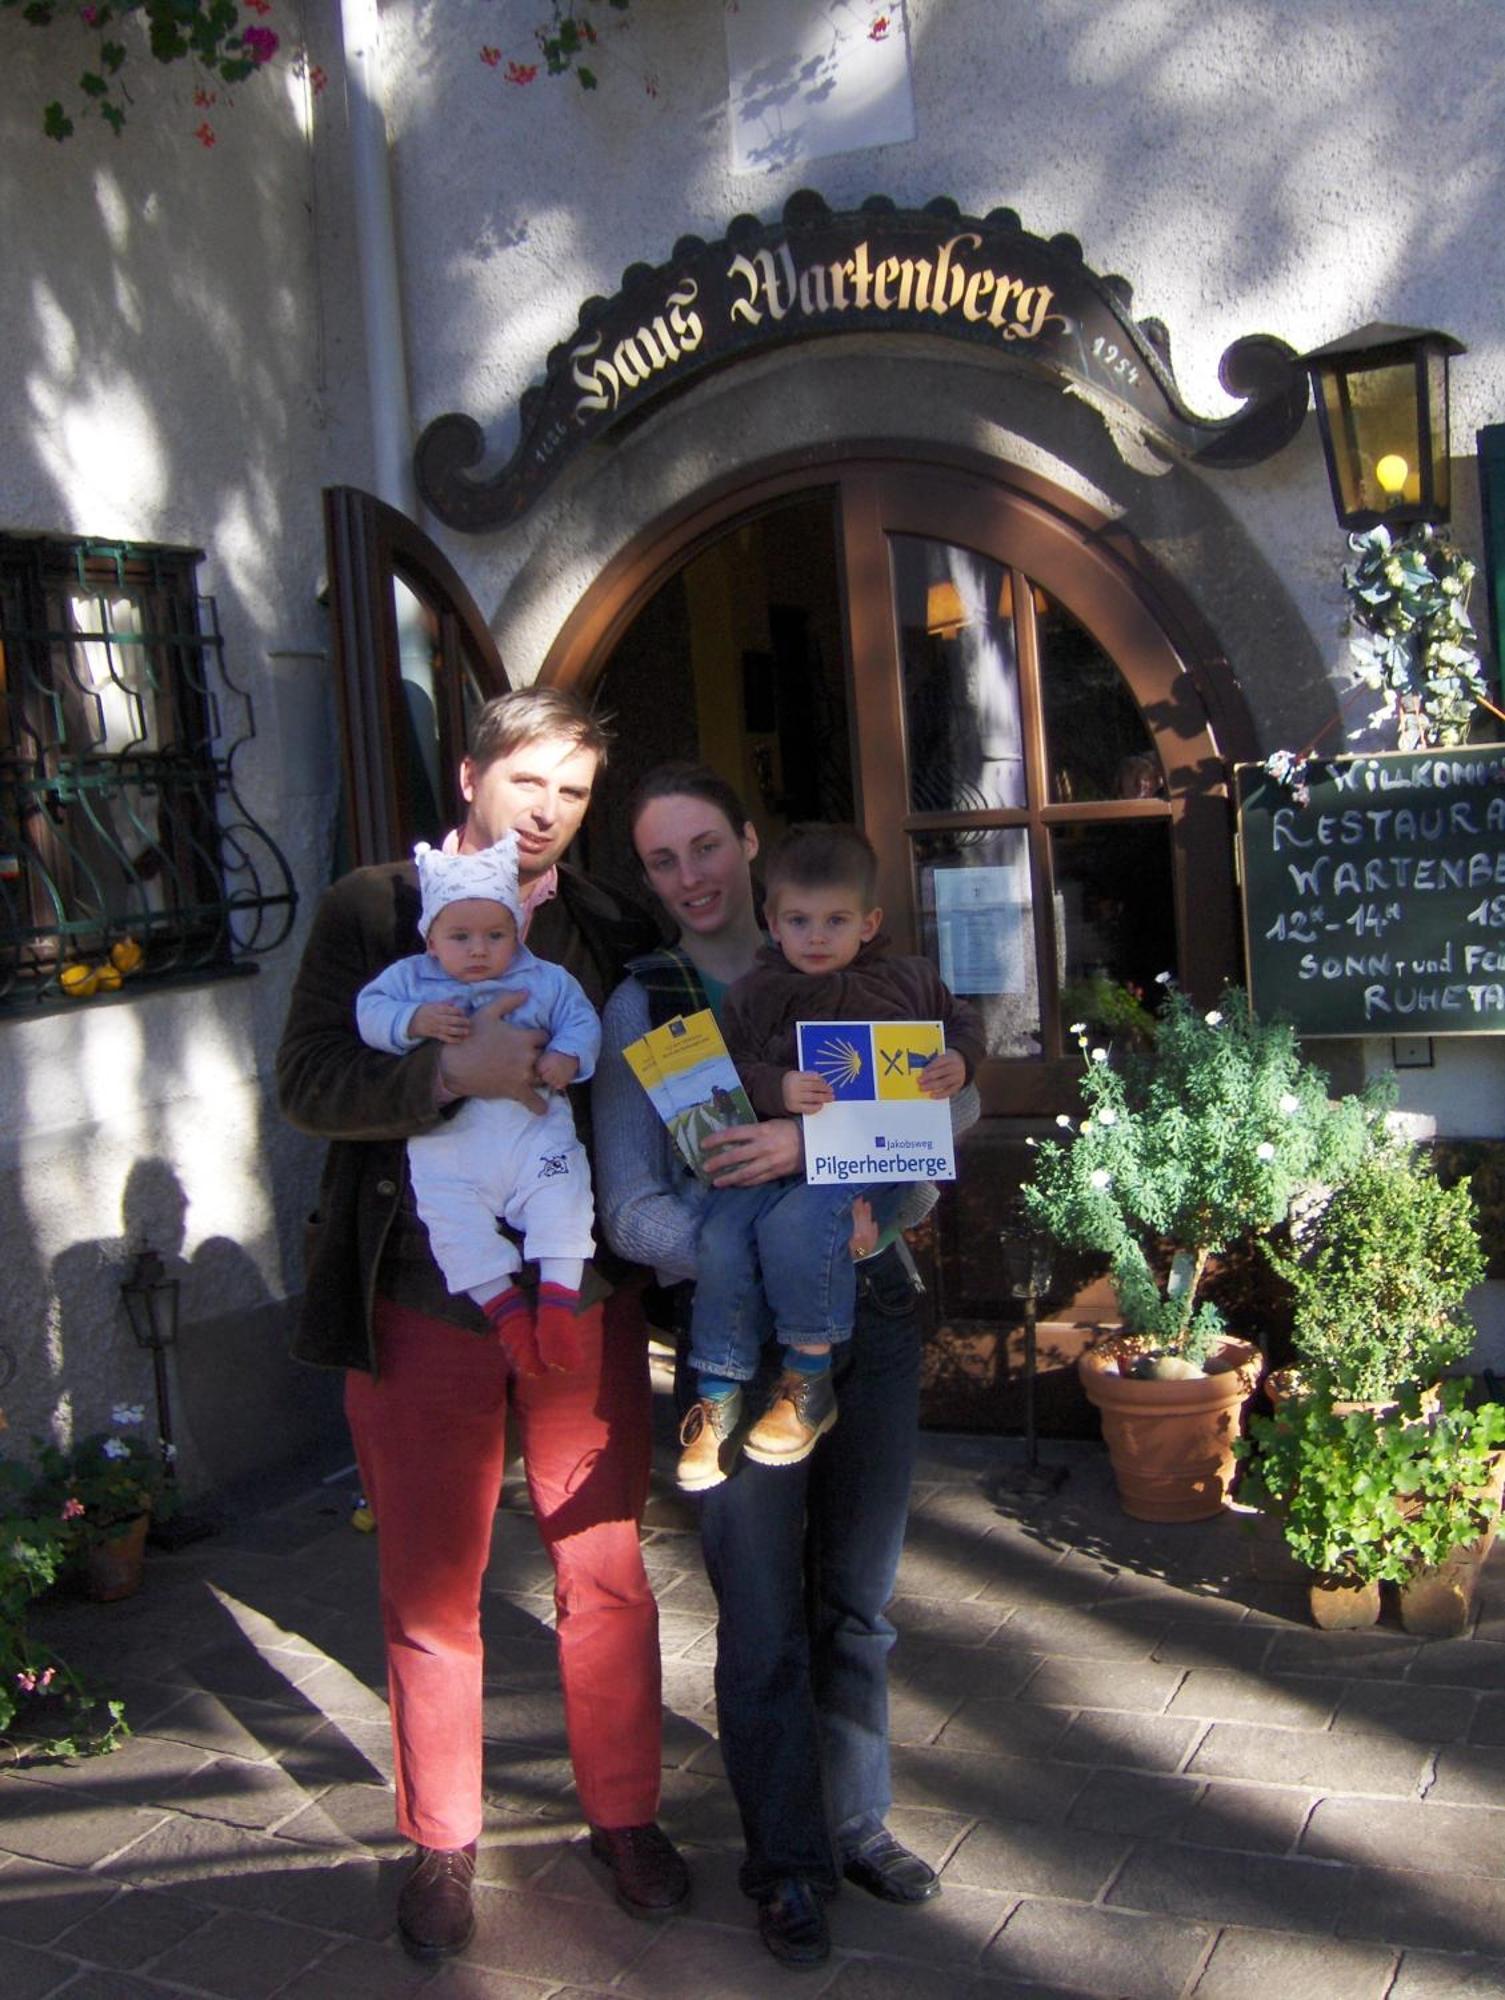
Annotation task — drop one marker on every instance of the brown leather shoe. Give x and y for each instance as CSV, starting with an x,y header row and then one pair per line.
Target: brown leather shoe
x,y
801,1409
435,1917
706,1434
648,1871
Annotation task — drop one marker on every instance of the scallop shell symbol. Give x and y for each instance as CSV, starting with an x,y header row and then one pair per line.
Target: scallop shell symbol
x,y
839,1063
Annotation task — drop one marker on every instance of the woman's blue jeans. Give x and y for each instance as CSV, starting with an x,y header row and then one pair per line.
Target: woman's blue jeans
x,y
803,1560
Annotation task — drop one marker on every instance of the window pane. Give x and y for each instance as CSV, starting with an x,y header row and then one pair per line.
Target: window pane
x,y
1097,746
976,923
961,677
1115,908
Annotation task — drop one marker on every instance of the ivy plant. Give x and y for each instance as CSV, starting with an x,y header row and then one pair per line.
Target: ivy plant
x,y
1376,1496
1194,1146
1412,638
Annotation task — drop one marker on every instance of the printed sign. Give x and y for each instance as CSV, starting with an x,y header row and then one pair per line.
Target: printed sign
x,y
879,1126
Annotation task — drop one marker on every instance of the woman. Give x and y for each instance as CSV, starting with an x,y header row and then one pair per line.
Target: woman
x,y
801,1673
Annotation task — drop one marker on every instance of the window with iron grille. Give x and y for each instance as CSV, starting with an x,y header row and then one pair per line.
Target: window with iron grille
x,y
126,856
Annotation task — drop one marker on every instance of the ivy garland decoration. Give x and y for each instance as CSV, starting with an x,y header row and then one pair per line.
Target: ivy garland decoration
x,y
1412,638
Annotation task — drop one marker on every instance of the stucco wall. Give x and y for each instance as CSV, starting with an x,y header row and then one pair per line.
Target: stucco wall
x,y
180,362
1285,166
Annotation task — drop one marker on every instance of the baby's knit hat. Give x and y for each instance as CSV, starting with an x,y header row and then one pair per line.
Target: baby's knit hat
x,y
456,878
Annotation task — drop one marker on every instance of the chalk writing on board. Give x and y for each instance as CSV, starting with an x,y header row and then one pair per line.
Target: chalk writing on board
x,y
1377,906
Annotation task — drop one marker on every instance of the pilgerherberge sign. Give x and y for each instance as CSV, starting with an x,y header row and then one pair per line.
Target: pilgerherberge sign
x,y
877,269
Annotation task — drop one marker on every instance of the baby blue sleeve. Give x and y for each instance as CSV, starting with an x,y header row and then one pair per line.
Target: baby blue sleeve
x,y
574,1025
384,1008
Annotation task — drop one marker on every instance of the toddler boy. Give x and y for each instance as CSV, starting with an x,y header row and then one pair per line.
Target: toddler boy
x,y
788,1242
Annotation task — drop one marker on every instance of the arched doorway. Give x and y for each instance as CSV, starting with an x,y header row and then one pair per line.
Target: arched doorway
x,y
973,675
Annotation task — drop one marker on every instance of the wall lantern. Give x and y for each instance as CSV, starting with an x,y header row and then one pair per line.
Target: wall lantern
x,y
1382,403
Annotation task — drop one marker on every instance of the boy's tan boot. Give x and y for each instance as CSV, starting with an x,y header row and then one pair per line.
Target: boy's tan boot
x,y
706,1435
801,1409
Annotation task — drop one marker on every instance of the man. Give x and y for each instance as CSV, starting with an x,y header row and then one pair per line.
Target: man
x,y
428,1387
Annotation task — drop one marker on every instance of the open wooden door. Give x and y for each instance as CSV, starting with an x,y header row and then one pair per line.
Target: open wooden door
x,y
413,658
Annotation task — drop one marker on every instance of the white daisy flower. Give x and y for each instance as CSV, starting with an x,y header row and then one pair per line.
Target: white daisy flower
x,y
1099,1055
1265,1151
127,1413
1213,1018
1077,1028
1100,1177
1163,978
116,1448
1107,1116
1063,1121
1289,1102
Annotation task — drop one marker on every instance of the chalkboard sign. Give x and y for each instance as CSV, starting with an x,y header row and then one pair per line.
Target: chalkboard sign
x,y
1377,906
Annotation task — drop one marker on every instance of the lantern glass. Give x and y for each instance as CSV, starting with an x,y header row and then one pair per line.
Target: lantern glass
x,y
1382,405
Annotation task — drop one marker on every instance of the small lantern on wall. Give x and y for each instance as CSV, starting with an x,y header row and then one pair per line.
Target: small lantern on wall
x,y
1382,405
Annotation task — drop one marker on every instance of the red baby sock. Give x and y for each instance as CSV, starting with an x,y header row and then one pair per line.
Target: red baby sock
x,y
559,1343
512,1324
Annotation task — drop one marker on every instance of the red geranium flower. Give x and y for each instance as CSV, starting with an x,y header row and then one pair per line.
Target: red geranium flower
x,y
205,134
521,72
490,56
878,32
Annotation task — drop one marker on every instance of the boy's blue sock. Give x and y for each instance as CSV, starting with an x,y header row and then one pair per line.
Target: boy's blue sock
x,y
807,1364
716,1388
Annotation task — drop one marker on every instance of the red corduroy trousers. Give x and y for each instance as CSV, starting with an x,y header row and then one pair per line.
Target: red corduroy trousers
x,y
429,1436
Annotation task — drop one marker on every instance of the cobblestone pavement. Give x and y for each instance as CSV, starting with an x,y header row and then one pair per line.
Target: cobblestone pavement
x,y
1141,1771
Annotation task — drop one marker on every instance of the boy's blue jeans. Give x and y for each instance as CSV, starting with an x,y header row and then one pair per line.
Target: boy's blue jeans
x,y
786,1243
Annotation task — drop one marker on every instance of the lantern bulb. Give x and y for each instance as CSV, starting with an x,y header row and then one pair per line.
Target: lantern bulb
x,y
1392,472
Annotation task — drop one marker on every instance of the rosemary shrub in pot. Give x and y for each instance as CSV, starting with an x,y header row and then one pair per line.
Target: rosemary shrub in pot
x,y
1190,1148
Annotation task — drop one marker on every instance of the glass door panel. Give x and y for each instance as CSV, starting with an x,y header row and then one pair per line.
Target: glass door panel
x,y
977,924
1114,907
960,666
1097,745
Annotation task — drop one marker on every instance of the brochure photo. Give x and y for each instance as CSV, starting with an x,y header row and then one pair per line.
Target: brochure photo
x,y
692,1081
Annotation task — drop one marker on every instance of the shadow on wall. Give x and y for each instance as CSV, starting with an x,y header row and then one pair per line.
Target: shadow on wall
x,y
238,1407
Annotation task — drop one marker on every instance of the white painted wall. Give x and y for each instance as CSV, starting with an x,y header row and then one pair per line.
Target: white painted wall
x,y
181,360
179,363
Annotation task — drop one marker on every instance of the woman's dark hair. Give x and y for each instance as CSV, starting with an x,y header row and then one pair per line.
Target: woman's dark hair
x,y
688,781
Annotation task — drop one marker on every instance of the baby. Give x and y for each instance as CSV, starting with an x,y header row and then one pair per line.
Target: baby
x,y
787,1242
493,1158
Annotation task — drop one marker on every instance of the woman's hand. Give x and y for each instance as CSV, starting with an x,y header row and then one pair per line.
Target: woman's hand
x,y
749,1155
863,1240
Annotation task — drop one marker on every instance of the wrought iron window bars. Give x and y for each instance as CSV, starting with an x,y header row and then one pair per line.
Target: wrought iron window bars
x,y
123,840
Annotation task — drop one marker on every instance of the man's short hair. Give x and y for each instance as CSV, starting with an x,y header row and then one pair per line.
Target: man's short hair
x,y
509,722
817,856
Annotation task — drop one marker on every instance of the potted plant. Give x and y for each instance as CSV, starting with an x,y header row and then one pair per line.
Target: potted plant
x,y
1378,1278
45,1710
1406,1495
1189,1149
103,1489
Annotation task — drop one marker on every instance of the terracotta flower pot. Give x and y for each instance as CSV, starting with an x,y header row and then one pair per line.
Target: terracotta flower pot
x,y
1170,1443
1343,1607
113,1568
1438,1602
